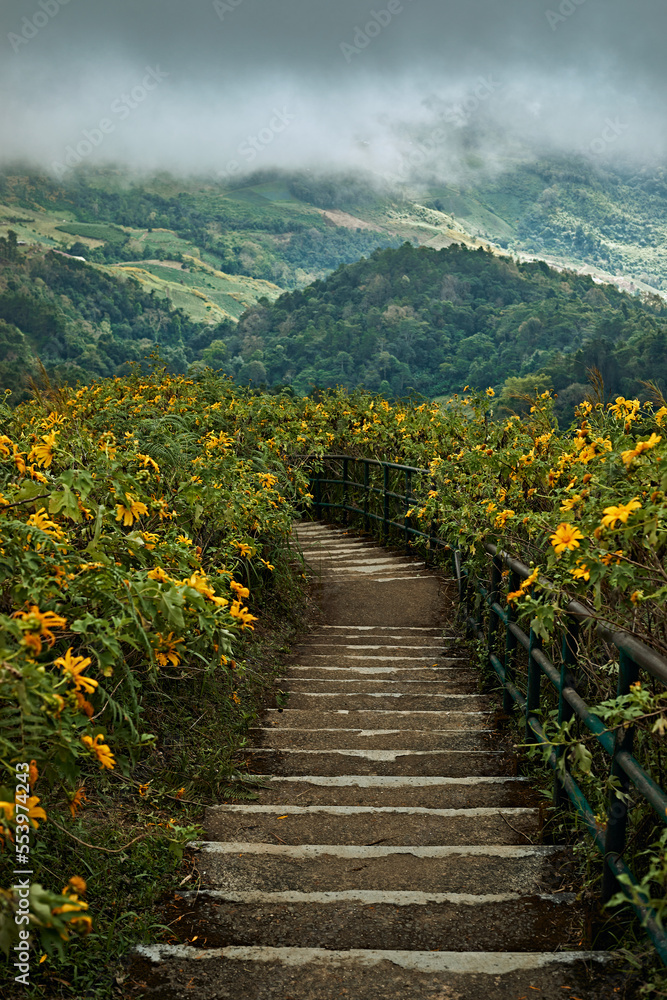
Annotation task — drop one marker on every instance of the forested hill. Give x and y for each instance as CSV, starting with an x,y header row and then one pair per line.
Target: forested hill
x,y
79,322
431,321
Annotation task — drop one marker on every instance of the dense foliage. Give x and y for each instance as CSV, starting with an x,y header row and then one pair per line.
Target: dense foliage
x,y
135,518
419,320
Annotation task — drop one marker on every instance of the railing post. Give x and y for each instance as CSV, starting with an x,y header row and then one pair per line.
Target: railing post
x,y
366,494
510,649
345,517
385,522
408,491
318,496
617,812
534,679
432,529
568,663
494,598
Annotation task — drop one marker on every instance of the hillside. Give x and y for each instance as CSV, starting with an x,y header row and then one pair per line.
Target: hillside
x,y
612,220
180,263
426,321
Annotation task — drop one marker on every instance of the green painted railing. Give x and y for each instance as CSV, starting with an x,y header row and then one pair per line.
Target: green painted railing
x,y
380,494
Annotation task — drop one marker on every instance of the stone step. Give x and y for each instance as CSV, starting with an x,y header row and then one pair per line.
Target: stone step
x,y
373,790
365,825
445,763
371,739
258,973
344,719
244,867
380,630
382,645
353,672
361,919
382,699
390,688
338,643
350,661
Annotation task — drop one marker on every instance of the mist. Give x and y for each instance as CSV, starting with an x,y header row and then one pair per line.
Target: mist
x,y
401,89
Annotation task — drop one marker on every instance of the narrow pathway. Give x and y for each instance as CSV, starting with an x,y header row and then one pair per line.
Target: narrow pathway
x,y
394,852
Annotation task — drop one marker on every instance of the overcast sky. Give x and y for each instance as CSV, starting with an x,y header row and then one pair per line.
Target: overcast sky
x,y
387,85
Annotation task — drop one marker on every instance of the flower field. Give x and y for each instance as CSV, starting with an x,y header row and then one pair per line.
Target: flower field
x,y
139,522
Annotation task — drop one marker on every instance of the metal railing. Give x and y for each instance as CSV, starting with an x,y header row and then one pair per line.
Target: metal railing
x,y
382,494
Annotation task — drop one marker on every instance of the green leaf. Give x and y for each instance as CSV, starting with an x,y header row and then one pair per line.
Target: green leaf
x,y
67,503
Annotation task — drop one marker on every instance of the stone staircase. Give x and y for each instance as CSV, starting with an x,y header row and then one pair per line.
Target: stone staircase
x,y
395,853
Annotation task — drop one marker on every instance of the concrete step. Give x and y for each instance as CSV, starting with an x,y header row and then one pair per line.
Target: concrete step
x,y
371,739
362,918
373,790
441,763
371,631
367,825
246,867
423,672
389,687
344,719
352,701
257,973
352,661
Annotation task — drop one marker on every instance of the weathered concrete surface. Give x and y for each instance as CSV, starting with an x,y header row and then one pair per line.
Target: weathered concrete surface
x,y
395,852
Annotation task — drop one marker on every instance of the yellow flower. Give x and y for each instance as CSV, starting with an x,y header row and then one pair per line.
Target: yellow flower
x,y
42,521
640,448
28,809
158,574
503,517
490,392
620,513
43,453
199,582
100,749
242,614
132,510
76,803
565,537
612,557
184,540
43,621
146,460
571,502
239,589
581,572
168,654
244,549
74,666
77,883
525,586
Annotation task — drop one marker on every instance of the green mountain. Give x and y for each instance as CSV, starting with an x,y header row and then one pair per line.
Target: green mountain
x,y
199,270
426,321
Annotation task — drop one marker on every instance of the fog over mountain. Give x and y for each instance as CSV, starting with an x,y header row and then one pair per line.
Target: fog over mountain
x,y
397,87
